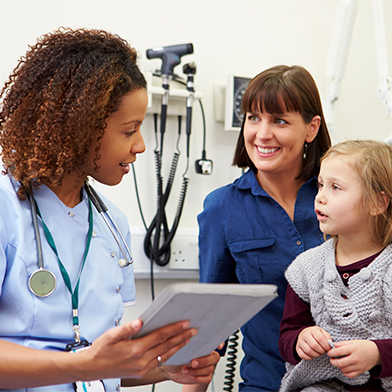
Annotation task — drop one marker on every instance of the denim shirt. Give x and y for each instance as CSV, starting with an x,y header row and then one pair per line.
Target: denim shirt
x,y
247,237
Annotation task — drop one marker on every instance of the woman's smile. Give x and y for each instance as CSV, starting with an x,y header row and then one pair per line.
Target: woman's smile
x,y
267,150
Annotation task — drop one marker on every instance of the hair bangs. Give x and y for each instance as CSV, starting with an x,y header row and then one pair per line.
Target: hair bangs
x,y
272,98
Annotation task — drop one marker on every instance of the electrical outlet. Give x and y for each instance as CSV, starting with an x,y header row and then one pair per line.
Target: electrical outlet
x,y
183,259
184,251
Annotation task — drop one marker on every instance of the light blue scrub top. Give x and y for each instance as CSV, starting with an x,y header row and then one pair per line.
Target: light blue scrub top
x,y
46,323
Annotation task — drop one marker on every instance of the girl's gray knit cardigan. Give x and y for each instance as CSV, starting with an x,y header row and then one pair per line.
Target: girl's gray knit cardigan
x,y
363,310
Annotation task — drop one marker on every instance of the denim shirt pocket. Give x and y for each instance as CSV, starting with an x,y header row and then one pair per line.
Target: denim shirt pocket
x,y
252,265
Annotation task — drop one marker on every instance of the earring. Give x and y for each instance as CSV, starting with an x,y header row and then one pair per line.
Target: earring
x,y
305,150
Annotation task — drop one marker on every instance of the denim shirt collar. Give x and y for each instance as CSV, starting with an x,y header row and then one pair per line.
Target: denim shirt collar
x,y
249,181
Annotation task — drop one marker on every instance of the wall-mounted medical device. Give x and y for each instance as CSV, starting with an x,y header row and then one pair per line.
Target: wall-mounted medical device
x,y
228,100
170,56
235,90
170,94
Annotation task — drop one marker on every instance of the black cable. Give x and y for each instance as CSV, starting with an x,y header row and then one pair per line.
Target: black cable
x,y
158,229
145,226
204,125
179,80
152,287
138,197
156,130
231,361
159,226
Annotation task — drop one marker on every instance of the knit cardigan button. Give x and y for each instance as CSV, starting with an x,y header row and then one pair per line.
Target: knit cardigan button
x,y
330,276
365,274
374,316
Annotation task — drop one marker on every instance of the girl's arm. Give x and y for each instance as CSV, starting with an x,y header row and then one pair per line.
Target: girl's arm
x,y
385,349
296,317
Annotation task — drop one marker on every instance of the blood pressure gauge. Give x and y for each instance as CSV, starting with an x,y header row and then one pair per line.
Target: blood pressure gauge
x,y
235,91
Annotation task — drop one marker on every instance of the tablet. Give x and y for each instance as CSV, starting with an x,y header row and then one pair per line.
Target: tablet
x,y
216,310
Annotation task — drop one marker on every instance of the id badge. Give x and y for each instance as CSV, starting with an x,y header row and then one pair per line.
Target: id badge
x,y
89,386
85,386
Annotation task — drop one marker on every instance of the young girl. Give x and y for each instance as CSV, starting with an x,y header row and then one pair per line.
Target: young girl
x,y
340,292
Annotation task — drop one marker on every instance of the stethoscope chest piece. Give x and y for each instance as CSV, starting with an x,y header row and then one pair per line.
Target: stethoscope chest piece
x,y
42,282
122,263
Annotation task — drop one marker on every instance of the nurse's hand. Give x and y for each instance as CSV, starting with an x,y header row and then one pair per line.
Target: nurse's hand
x,y
116,354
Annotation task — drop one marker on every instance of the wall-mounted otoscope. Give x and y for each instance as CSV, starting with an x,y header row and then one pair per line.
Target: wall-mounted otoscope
x,y
190,70
170,56
159,230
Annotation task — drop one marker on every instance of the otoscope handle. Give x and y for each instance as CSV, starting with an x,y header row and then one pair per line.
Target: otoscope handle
x,y
163,117
188,120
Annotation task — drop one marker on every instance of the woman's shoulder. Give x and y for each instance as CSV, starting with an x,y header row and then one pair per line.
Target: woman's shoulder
x,y
8,189
220,192
235,188
13,210
310,260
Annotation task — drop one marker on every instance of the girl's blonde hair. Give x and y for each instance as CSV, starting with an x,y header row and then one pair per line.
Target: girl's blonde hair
x,y
372,160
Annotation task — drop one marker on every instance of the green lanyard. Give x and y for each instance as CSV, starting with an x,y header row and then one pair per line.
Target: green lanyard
x,y
64,273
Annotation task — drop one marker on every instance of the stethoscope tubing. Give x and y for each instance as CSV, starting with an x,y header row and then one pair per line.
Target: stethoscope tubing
x,y
34,214
36,286
42,282
103,211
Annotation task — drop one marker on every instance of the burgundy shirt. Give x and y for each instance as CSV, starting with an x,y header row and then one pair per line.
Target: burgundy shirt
x,y
297,316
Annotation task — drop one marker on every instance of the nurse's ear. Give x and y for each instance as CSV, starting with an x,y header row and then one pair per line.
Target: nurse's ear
x,y
312,129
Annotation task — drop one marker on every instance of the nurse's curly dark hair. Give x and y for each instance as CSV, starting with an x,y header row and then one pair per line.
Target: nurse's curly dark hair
x,y
57,99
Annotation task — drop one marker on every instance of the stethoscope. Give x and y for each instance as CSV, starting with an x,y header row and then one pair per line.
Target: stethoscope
x,y
42,282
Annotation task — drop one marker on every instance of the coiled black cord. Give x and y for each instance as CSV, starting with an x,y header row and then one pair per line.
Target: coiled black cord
x,y
231,361
158,230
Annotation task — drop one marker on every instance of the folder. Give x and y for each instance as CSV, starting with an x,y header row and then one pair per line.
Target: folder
x,y
216,310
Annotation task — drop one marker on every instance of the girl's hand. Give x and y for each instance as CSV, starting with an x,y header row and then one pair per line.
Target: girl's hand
x,y
356,356
312,342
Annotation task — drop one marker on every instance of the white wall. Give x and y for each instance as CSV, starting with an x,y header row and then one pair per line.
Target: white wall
x,y
230,37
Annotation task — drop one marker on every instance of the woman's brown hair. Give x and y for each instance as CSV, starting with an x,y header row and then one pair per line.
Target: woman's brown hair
x,y
277,90
57,100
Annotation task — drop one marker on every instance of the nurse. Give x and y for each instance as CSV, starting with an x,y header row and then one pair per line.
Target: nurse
x,y
72,109
252,229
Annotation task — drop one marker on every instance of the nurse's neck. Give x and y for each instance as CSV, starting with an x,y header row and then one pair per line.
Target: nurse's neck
x,y
69,192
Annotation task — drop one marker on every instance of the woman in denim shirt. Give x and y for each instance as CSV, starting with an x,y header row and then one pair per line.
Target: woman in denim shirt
x,y
252,229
